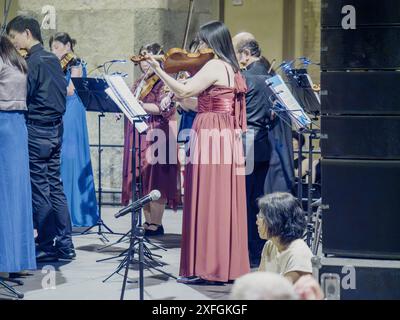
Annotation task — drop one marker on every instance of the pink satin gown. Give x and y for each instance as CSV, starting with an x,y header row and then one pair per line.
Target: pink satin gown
x,y
214,232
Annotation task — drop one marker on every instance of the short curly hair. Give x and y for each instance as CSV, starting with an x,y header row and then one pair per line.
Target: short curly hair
x,y
285,219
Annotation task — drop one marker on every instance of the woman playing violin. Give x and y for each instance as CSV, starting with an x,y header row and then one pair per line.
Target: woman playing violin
x,y
214,236
76,167
149,89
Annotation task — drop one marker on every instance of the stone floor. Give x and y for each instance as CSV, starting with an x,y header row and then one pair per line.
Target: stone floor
x,y
83,278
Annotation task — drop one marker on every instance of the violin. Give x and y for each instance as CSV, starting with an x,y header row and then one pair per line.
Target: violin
x,y
178,60
66,59
316,87
23,53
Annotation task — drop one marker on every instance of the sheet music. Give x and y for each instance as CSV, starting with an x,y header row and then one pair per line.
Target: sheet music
x,y
119,92
299,118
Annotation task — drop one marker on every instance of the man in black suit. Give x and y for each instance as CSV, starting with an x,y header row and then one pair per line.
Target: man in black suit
x,y
46,100
257,145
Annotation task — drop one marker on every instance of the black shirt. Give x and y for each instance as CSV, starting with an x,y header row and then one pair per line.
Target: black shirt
x,y
258,108
47,86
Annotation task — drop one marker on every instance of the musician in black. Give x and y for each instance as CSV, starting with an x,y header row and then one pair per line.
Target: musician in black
x,y
47,89
273,166
258,148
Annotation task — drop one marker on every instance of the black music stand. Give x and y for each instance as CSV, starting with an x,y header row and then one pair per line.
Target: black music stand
x,y
92,93
300,86
279,108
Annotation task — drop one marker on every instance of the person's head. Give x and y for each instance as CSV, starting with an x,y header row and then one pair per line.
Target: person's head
x,y
280,217
10,55
61,44
24,32
216,36
248,52
298,140
263,286
152,49
241,38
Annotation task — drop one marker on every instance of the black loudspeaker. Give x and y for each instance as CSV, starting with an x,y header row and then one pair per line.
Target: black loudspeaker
x,y
361,49
360,93
374,279
368,12
362,213
361,137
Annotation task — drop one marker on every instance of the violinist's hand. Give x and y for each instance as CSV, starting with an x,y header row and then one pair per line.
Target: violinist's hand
x,y
165,103
154,64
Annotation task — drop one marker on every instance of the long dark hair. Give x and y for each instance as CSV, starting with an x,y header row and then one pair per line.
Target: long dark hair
x,y
64,38
153,48
255,51
217,36
10,55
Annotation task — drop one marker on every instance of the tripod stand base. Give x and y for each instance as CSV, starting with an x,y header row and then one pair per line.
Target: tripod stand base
x,y
3,283
100,224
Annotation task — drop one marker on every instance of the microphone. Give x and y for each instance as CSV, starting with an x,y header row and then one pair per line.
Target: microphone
x,y
152,196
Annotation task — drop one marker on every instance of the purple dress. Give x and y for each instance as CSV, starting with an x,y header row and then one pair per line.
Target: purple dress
x,y
160,176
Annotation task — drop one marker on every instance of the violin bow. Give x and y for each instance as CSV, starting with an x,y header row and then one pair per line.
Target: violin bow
x,y
188,23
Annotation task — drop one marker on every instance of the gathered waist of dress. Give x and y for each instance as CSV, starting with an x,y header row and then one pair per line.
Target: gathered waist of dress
x,y
220,106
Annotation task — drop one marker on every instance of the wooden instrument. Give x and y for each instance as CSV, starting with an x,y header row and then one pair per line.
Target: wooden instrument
x,y
23,53
316,87
179,60
66,59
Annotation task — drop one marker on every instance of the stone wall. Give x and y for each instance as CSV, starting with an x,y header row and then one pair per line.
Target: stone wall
x,y
116,29
312,34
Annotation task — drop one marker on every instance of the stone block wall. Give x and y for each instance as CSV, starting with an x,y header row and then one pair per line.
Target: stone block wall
x,y
116,29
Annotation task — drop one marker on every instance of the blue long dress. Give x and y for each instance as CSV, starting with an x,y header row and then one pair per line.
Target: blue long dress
x,y
17,246
76,166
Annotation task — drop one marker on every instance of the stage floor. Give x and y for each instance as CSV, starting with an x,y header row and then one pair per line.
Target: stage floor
x,y
82,278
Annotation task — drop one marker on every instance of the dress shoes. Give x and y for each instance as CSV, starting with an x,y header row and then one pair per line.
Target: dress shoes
x,y
66,254
153,233
42,256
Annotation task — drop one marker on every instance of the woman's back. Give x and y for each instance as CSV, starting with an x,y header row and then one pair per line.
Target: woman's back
x,y
13,88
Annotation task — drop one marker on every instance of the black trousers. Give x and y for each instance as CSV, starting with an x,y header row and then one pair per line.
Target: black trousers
x,y
254,190
50,210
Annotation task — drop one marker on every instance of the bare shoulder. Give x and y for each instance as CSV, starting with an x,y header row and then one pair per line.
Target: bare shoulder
x,y
215,64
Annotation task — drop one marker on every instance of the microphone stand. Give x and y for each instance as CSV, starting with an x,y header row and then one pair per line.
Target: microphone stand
x,y
136,234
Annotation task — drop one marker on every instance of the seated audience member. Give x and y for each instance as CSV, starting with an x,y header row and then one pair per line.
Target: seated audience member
x,y
281,221
272,286
263,286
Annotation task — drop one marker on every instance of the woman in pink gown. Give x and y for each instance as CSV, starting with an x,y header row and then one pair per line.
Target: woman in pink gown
x,y
214,232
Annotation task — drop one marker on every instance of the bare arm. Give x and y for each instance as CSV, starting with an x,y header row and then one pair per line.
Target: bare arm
x,y
188,104
293,276
76,72
308,288
204,79
151,108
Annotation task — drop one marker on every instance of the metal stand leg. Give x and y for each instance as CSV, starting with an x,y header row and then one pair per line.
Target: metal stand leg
x,y
100,223
17,294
